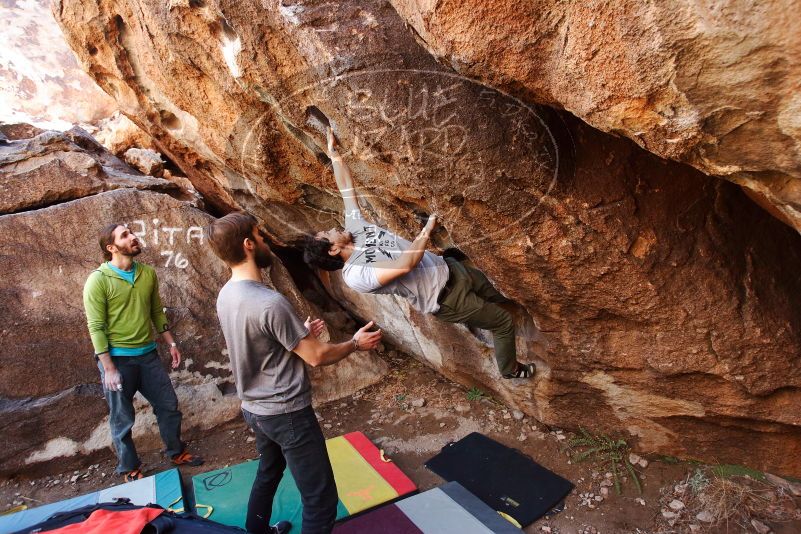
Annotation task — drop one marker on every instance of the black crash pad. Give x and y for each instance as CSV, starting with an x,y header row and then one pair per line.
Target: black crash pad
x,y
504,478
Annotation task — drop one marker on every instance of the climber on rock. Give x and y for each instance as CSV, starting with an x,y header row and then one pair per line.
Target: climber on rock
x,y
374,260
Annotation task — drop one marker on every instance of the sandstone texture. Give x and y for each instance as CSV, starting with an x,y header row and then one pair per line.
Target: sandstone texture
x,y
146,160
658,302
50,167
713,84
50,398
118,134
40,80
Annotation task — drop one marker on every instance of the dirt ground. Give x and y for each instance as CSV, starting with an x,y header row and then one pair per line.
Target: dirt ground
x,y
390,414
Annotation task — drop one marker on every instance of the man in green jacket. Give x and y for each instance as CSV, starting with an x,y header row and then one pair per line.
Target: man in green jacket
x,y
121,298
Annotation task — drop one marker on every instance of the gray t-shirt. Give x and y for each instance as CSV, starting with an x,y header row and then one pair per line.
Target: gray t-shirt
x,y
261,331
373,244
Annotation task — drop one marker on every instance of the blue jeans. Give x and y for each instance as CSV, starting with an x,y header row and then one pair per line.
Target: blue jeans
x,y
293,439
145,374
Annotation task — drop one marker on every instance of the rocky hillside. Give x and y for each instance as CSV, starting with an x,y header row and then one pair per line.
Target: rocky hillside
x,y
657,299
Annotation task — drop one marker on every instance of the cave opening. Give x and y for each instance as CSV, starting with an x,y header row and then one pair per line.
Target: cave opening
x,y
313,290
304,277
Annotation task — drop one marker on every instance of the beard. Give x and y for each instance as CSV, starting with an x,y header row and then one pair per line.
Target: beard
x,y
263,258
343,238
132,250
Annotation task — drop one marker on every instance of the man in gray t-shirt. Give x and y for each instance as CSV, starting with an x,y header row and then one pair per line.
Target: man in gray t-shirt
x,y
269,348
261,330
375,260
372,245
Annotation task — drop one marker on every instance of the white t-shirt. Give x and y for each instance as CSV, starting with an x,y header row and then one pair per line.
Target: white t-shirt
x,y
373,244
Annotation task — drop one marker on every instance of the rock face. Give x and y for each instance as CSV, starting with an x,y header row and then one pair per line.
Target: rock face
x,y
146,160
118,134
715,85
50,398
647,292
50,167
40,81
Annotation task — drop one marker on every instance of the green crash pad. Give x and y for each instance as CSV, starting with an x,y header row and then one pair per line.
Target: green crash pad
x,y
227,491
363,481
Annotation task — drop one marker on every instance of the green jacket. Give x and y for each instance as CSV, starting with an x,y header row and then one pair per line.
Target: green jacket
x,y
119,313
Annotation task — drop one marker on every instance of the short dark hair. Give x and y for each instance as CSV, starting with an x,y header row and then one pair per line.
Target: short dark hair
x,y
315,254
106,238
227,234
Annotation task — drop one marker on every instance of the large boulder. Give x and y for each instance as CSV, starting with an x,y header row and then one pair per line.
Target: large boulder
x,y
646,291
715,85
50,396
118,134
51,167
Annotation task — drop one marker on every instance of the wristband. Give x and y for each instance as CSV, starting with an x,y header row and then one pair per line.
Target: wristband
x,y
355,344
173,344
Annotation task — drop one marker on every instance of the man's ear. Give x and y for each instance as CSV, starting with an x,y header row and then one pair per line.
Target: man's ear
x,y
333,251
249,244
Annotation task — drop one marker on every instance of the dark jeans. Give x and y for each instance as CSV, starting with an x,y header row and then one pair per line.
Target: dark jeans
x,y
293,439
145,374
472,300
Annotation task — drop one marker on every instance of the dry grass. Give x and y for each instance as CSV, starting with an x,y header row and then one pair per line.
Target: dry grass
x,y
729,501
733,502
743,499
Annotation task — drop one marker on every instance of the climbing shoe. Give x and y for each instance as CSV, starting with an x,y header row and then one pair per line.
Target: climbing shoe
x,y
130,476
282,527
186,459
523,370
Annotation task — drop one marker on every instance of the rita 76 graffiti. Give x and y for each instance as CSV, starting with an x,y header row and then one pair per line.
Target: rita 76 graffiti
x,y
166,239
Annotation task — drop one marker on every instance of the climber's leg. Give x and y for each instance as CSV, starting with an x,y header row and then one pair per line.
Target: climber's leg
x,y
483,288
461,304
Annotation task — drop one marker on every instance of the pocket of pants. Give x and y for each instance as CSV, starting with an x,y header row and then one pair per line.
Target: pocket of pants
x,y
277,428
150,356
284,429
305,427
102,377
292,425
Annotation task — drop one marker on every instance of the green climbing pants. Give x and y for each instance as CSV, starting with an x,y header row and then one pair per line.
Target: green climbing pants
x,y
471,299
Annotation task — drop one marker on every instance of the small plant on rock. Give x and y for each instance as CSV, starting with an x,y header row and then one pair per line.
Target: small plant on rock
x,y
475,394
698,481
609,452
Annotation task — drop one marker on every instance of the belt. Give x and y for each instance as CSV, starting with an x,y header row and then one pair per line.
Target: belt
x,y
446,288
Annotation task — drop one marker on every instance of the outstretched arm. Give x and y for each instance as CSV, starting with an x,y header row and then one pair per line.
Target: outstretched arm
x,y
387,271
316,353
342,175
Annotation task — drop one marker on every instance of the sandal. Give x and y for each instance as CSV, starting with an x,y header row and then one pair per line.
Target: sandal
x,y
130,476
523,370
187,459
